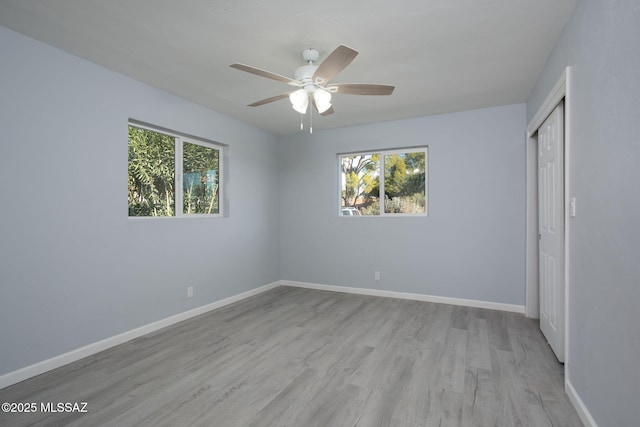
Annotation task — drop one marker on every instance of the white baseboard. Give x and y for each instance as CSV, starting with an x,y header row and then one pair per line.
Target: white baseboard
x,y
582,410
404,295
77,354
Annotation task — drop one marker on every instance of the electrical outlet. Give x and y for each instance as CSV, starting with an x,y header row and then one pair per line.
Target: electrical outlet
x,y
572,207
189,291
376,275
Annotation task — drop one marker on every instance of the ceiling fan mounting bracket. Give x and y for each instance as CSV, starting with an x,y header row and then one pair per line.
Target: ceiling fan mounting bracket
x,y
310,55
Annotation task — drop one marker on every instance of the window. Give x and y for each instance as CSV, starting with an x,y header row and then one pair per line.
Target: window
x,y
161,162
403,184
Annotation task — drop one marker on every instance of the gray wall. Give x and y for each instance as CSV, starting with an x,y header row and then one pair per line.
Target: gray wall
x,y
602,44
470,246
73,268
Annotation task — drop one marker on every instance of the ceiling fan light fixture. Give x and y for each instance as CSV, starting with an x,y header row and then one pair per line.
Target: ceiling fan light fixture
x,y
322,99
299,101
312,80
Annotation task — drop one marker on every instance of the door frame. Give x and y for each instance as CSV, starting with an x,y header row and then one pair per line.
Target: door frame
x,y
561,90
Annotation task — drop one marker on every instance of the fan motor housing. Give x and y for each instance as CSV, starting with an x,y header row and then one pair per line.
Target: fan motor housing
x,y
304,73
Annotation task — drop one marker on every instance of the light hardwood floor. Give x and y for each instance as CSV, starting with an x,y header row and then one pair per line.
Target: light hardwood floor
x,y
298,357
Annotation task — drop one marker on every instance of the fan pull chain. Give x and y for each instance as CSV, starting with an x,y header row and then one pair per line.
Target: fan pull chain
x,y
311,120
301,125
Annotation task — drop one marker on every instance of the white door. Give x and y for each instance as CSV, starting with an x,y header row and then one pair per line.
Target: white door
x,y
551,229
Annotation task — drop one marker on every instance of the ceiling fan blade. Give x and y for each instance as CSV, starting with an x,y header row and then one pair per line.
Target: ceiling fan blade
x,y
361,89
329,111
326,112
333,64
264,73
269,100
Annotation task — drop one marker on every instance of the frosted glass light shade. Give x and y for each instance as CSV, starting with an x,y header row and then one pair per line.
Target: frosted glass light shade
x,y
322,99
299,101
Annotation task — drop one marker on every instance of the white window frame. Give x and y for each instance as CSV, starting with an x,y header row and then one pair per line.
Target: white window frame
x,y
179,139
420,149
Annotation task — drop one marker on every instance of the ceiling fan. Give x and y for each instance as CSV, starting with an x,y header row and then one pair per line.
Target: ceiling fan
x,y
312,81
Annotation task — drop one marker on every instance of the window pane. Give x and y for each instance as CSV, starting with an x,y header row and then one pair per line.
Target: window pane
x,y
200,179
360,181
151,173
404,183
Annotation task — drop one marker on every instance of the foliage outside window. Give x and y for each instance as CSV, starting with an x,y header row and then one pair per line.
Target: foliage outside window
x,y
400,190
160,163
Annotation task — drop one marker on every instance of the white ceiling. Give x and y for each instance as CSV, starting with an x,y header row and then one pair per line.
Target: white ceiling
x,y
442,55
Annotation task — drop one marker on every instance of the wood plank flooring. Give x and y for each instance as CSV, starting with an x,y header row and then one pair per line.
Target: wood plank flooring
x,y
299,357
